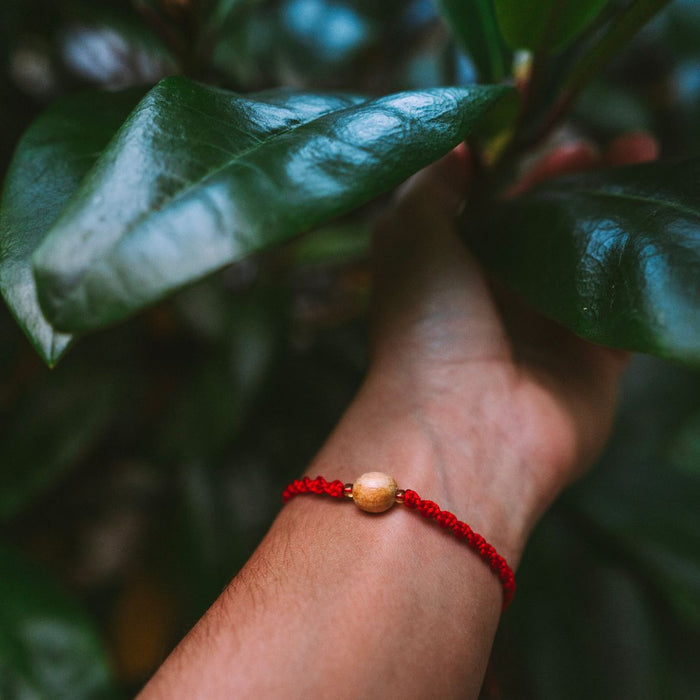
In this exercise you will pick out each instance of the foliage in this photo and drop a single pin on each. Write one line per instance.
(167, 185)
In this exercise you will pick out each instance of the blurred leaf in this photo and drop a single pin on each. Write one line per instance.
(243, 51)
(609, 587)
(547, 25)
(218, 13)
(473, 23)
(655, 526)
(142, 627)
(583, 630)
(322, 35)
(51, 159)
(684, 448)
(221, 513)
(217, 400)
(50, 429)
(12, 13)
(624, 111)
(114, 55)
(624, 25)
(585, 624)
(334, 244)
(636, 504)
(48, 647)
(198, 178)
(681, 21)
(621, 250)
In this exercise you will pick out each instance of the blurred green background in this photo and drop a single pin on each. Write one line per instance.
(137, 476)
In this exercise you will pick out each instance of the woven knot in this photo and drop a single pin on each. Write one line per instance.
(336, 489)
(317, 485)
(446, 519)
(429, 509)
(411, 499)
(461, 530)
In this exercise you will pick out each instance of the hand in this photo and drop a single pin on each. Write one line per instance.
(514, 405)
(471, 400)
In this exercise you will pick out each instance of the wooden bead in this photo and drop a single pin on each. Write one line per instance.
(374, 492)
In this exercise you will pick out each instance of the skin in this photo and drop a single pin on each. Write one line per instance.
(471, 400)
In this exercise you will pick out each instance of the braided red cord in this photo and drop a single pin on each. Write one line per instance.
(428, 509)
(315, 486)
(472, 539)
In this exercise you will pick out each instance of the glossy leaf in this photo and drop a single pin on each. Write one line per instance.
(473, 23)
(48, 647)
(51, 159)
(614, 255)
(198, 178)
(544, 24)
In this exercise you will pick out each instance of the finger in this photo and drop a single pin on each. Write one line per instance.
(433, 194)
(570, 158)
(444, 184)
(636, 147)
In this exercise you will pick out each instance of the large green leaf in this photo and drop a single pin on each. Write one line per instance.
(51, 159)
(199, 177)
(614, 255)
(544, 24)
(474, 25)
(48, 647)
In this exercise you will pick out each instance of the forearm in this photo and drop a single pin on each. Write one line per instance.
(339, 603)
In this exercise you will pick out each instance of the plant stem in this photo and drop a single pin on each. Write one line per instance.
(621, 28)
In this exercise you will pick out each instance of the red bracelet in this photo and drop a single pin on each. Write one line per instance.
(376, 492)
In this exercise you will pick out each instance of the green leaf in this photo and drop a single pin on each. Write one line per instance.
(612, 110)
(48, 647)
(613, 255)
(113, 53)
(199, 177)
(583, 619)
(336, 244)
(51, 159)
(217, 400)
(684, 450)
(620, 30)
(51, 428)
(12, 17)
(547, 25)
(308, 36)
(473, 23)
(644, 510)
(624, 544)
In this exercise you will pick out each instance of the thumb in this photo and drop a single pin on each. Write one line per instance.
(430, 296)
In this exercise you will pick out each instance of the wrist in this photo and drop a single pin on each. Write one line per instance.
(464, 463)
